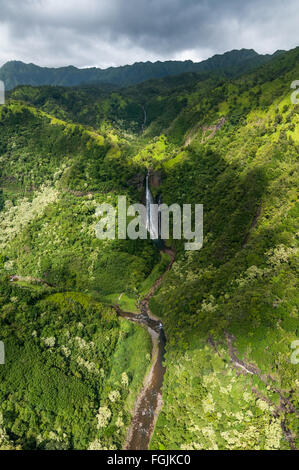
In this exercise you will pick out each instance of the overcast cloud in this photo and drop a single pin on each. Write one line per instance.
(117, 32)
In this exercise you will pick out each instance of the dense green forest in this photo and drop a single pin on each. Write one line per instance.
(230, 310)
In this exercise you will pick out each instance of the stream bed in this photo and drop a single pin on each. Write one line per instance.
(149, 401)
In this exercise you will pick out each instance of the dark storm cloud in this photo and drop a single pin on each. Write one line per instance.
(114, 32)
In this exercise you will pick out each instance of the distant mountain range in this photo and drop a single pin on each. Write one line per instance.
(231, 63)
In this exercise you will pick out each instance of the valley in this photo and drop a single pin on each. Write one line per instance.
(88, 365)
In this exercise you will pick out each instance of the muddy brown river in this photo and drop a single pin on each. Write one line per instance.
(149, 401)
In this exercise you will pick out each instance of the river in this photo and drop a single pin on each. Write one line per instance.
(149, 401)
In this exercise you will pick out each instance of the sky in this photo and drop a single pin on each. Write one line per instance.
(105, 33)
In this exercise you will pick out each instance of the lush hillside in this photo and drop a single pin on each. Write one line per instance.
(67, 382)
(230, 310)
(71, 366)
(17, 73)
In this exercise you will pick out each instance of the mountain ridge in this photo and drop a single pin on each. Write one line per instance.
(15, 73)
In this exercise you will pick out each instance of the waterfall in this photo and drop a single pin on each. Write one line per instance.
(159, 215)
(151, 213)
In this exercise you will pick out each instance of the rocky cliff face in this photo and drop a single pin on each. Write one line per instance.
(155, 178)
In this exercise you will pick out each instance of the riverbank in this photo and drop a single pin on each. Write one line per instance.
(149, 401)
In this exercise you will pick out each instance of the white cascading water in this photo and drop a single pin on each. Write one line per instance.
(151, 214)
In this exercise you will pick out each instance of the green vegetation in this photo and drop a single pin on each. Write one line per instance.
(69, 359)
(234, 304)
(230, 311)
(15, 73)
